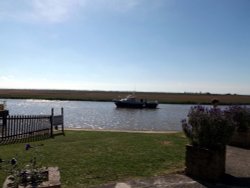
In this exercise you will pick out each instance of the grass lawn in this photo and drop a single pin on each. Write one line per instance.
(87, 159)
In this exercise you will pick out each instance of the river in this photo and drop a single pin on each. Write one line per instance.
(104, 115)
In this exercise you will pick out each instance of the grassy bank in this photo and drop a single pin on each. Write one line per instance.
(171, 98)
(91, 158)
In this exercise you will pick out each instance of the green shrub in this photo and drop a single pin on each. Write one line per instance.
(28, 174)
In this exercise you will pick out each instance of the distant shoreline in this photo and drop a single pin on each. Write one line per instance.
(108, 96)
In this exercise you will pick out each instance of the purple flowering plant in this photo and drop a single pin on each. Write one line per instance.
(30, 173)
(241, 117)
(208, 127)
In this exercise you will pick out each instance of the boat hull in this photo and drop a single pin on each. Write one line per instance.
(151, 105)
(122, 104)
(131, 102)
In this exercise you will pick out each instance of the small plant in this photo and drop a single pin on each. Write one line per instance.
(28, 174)
(208, 127)
(241, 117)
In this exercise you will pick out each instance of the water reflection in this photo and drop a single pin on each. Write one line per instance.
(104, 115)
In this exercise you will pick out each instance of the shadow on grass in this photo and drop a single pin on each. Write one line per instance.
(31, 137)
(26, 138)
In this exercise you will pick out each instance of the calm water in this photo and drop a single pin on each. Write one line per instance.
(104, 115)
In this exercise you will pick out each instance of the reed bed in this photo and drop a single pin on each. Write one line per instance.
(171, 98)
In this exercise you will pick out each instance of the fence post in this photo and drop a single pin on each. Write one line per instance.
(4, 114)
(62, 114)
(51, 121)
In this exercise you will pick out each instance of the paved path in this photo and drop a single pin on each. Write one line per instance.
(238, 162)
(237, 175)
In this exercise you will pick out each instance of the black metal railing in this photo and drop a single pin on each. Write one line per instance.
(17, 127)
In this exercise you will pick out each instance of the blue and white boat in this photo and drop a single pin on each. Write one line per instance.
(131, 102)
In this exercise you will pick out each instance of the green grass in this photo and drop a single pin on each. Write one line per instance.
(91, 158)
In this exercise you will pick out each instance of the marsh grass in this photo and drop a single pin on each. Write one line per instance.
(88, 158)
(170, 98)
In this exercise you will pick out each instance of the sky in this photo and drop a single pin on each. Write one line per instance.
(126, 45)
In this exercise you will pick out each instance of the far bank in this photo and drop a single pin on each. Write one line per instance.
(80, 95)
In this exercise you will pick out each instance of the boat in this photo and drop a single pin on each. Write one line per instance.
(131, 102)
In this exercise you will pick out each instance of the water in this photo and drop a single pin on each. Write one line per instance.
(104, 115)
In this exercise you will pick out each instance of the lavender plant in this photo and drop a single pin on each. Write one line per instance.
(28, 174)
(208, 127)
(241, 117)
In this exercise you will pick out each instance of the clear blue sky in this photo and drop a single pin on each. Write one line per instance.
(142, 45)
